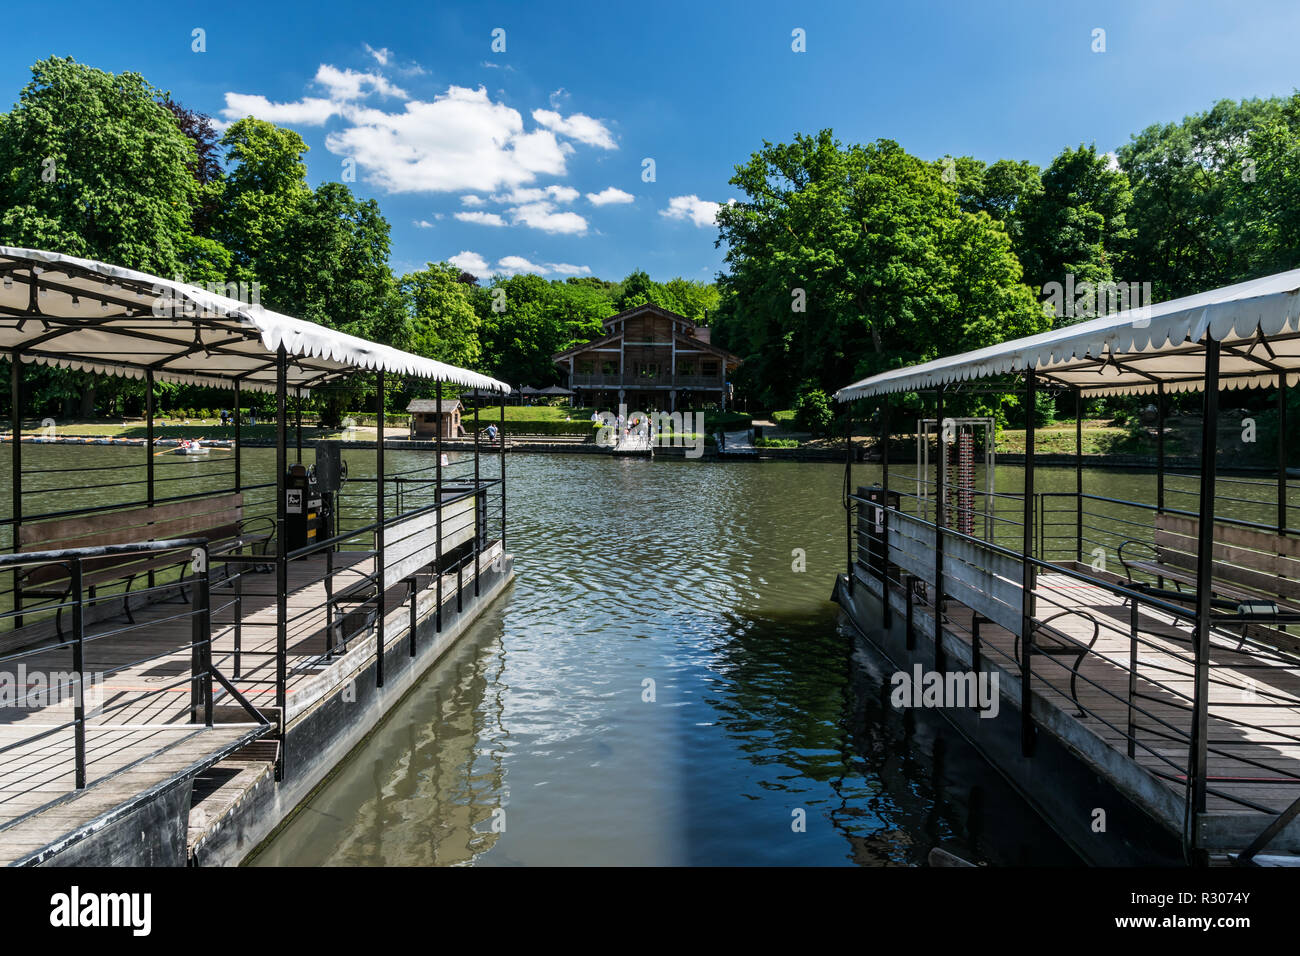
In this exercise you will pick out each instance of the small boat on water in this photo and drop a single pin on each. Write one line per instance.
(192, 448)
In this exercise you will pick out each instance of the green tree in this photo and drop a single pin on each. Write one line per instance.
(848, 260)
(92, 164)
(1194, 215)
(444, 325)
(1078, 223)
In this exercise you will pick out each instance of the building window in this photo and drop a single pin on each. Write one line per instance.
(686, 368)
(609, 367)
(710, 368)
(586, 367)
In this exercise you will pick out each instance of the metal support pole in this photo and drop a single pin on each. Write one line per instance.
(888, 612)
(1132, 676)
(478, 528)
(297, 401)
(239, 481)
(379, 528)
(1281, 453)
(437, 498)
(1204, 582)
(16, 465)
(281, 561)
(503, 474)
(1027, 575)
(414, 592)
(848, 493)
(79, 666)
(148, 449)
(1160, 447)
(1078, 475)
(940, 519)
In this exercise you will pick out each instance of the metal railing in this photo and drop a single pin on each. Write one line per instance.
(58, 686)
(1147, 677)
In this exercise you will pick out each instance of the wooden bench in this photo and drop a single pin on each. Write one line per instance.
(1251, 567)
(219, 519)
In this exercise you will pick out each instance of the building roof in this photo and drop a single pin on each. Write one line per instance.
(1138, 350)
(76, 313)
(442, 406)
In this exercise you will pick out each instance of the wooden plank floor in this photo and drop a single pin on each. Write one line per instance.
(138, 695)
(1254, 710)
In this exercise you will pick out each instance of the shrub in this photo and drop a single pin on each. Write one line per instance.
(812, 410)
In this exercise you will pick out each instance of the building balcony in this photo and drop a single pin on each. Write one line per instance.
(632, 382)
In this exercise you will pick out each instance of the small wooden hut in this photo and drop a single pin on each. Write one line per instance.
(431, 415)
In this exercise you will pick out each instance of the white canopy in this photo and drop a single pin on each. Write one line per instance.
(1136, 351)
(76, 313)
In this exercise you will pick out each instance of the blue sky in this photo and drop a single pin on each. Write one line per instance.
(548, 138)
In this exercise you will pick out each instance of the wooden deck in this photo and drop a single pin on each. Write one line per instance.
(1254, 710)
(138, 697)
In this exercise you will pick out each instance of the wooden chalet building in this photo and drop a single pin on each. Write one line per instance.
(649, 359)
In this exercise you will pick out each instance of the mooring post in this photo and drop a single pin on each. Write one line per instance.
(1027, 575)
(380, 596)
(1204, 582)
(940, 519)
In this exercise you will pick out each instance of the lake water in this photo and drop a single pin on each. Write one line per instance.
(666, 682)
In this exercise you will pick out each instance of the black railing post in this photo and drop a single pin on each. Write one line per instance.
(1160, 447)
(16, 466)
(203, 628)
(848, 494)
(78, 666)
(437, 498)
(940, 519)
(148, 447)
(1132, 676)
(239, 482)
(1204, 582)
(888, 611)
(503, 474)
(281, 519)
(1281, 453)
(1078, 476)
(1027, 575)
(380, 597)
(478, 532)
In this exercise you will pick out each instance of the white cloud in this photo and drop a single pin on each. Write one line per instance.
(472, 200)
(558, 97)
(422, 224)
(578, 126)
(556, 193)
(564, 269)
(309, 111)
(382, 56)
(460, 141)
(542, 215)
(514, 265)
(470, 262)
(482, 218)
(477, 266)
(697, 210)
(610, 196)
(350, 85)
